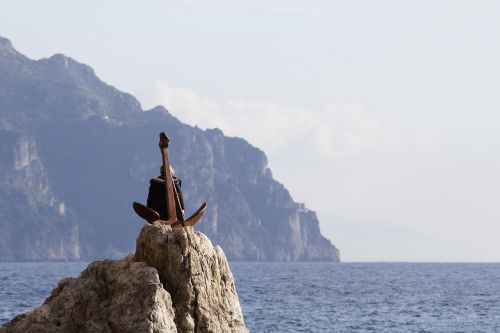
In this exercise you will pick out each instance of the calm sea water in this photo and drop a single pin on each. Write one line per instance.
(321, 297)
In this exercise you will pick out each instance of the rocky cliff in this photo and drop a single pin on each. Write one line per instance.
(34, 222)
(177, 281)
(76, 152)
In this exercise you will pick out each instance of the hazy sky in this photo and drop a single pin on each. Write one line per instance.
(382, 116)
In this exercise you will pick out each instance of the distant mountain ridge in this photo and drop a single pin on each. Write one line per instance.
(75, 152)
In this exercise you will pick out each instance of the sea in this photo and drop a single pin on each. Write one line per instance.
(320, 296)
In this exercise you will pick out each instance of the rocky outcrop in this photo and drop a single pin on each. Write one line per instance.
(197, 276)
(176, 282)
(109, 296)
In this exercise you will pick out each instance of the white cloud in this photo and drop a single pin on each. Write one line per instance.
(347, 130)
(334, 131)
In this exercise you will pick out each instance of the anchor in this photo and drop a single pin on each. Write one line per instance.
(175, 215)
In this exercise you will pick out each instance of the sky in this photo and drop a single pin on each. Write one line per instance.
(381, 116)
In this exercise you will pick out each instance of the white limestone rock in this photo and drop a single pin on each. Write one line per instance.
(176, 282)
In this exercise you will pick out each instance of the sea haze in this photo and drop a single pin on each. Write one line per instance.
(321, 297)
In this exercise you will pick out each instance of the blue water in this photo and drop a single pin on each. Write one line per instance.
(321, 297)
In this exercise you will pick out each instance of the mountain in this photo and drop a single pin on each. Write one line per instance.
(76, 152)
